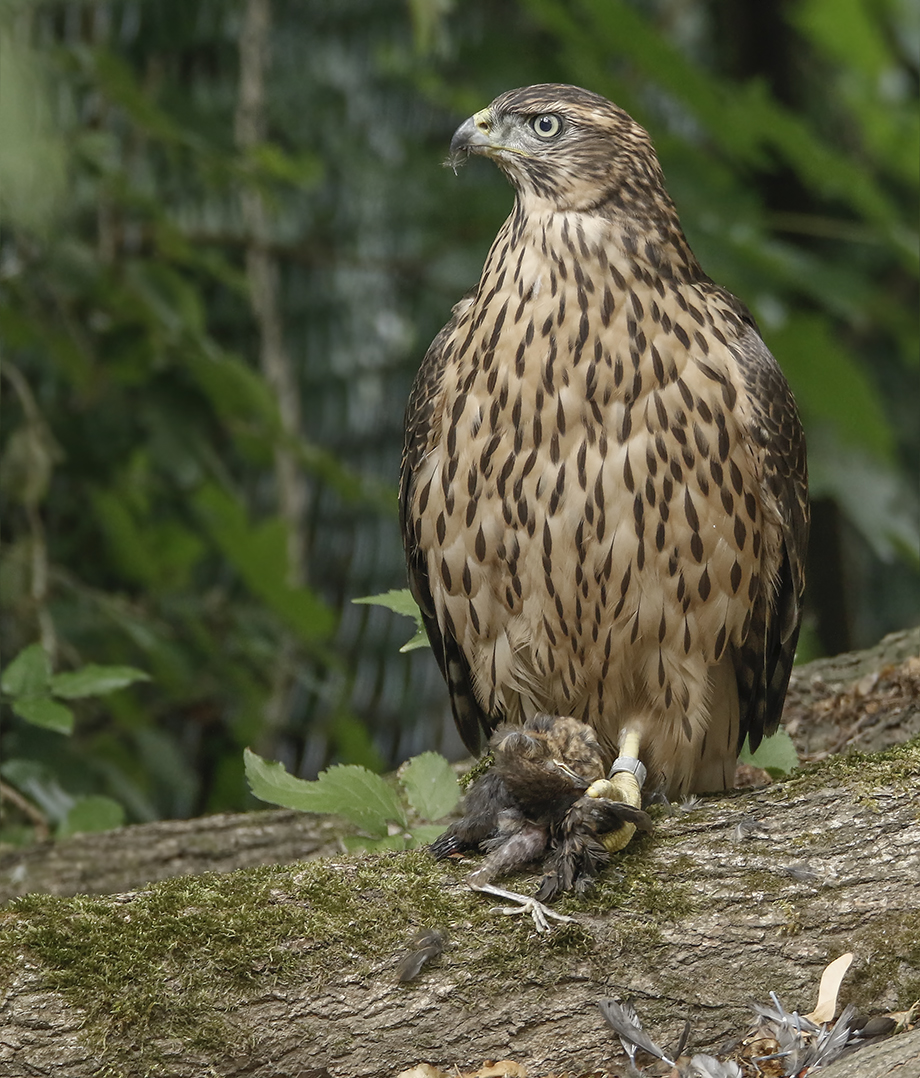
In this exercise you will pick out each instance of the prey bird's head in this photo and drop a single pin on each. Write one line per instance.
(567, 147)
(550, 757)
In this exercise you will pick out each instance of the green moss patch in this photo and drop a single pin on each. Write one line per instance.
(171, 963)
(891, 946)
(895, 766)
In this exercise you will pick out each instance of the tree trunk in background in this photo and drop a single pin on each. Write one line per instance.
(263, 275)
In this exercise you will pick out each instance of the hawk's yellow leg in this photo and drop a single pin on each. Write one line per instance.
(621, 786)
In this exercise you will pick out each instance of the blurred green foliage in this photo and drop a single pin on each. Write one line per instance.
(142, 441)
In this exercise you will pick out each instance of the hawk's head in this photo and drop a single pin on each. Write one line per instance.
(568, 147)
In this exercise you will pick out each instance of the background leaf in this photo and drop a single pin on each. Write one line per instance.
(28, 674)
(776, 755)
(45, 712)
(95, 680)
(92, 814)
(431, 785)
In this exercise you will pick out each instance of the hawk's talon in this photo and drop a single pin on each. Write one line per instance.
(622, 786)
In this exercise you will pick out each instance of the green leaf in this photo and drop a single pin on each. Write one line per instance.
(361, 843)
(166, 297)
(28, 674)
(93, 680)
(362, 797)
(93, 813)
(776, 755)
(259, 553)
(400, 601)
(420, 640)
(238, 394)
(271, 782)
(348, 790)
(159, 554)
(33, 165)
(120, 85)
(830, 385)
(425, 833)
(430, 785)
(43, 711)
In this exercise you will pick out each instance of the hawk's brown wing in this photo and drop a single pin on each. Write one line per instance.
(764, 661)
(421, 421)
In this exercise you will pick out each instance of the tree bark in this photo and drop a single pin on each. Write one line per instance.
(727, 901)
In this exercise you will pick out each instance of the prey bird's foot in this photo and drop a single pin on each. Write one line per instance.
(541, 914)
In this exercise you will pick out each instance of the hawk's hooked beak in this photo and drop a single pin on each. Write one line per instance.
(472, 136)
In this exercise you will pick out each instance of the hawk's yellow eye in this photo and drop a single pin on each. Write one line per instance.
(546, 126)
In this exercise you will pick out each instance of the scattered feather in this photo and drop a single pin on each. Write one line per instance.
(627, 1029)
(425, 946)
(747, 828)
(830, 1042)
(703, 1066)
(802, 873)
(780, 1044)
(629, 1013)
(683, 1040)
(880, 1025)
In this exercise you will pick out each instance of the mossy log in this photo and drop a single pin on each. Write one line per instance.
(291, 969)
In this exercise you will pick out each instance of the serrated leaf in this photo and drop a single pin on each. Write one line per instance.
(93, 813)
(94, 680)
(399, 600)
(362, 797)
(430, 785)
(420, 640)
(28, 674)
(776, 755)
(271, 782)
(43, 711)
(348, 790)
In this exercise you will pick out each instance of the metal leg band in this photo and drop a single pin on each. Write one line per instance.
(631, 764)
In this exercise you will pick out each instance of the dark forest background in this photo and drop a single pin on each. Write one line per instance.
(226, 240)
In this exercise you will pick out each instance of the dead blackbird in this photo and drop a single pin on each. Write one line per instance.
(532, 804)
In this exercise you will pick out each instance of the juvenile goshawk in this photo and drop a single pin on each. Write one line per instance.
(603, 493)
